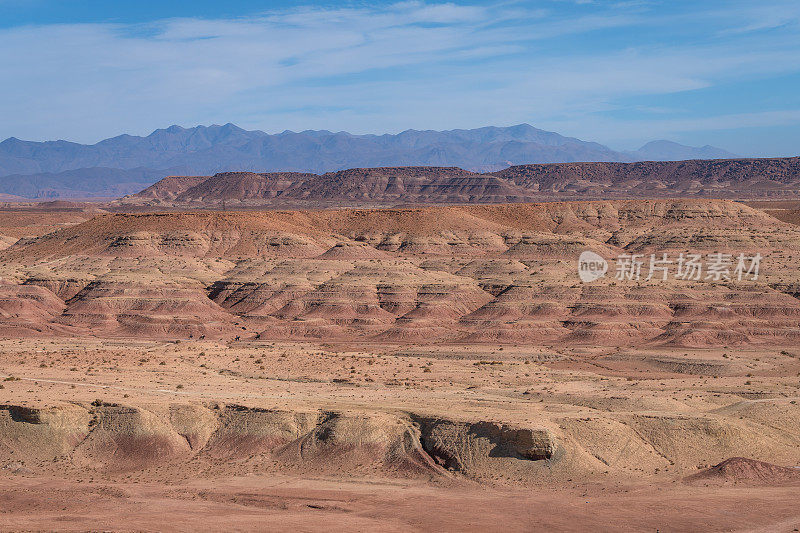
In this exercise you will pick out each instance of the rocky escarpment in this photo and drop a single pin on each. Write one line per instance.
(117, 438)
(178, 439)
(776, 178)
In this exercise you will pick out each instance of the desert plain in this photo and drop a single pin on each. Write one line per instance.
(431, 367)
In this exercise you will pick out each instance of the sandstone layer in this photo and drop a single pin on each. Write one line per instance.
(499, 274)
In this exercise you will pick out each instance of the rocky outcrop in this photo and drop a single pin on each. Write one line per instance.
(195, 437)
(464, 447)
(119, 438)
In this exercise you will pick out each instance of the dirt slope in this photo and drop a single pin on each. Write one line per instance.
(748, 471)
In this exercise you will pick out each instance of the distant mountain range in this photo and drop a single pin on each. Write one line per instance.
(127, 163)
(670, 151)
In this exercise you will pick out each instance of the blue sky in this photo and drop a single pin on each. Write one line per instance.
(622, 72)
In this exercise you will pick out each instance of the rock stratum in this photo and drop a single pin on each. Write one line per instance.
(477, 274)
(725, 178)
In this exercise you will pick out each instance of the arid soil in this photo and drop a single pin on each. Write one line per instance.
(787, 211)
(279, 503)
(361, 436)
(403, 369)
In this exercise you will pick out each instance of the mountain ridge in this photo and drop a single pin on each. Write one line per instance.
(203, 150)
(776, 178)
(663, 150)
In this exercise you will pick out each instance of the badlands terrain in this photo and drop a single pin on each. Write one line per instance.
(395, 368)
(753, 179)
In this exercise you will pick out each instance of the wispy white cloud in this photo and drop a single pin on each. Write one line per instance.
(410, 64)
(754, 16)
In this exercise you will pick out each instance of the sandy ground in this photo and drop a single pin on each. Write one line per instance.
(516, 382)
(530, 386)
(291, 504)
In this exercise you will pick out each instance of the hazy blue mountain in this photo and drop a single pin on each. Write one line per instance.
(79, 183)
(672, 151)
(113, 166)
(206, 149)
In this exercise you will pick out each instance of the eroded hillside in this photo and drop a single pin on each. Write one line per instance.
(504, 273)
